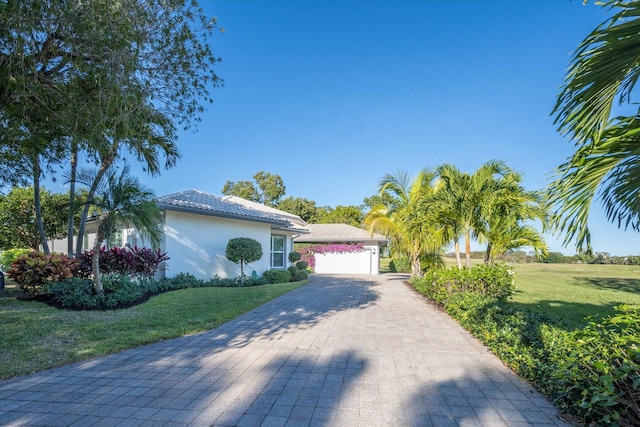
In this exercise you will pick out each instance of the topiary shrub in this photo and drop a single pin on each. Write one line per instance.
(302, 265)
(243, 250)
(33, 270)
(294, 257)
(276, 276)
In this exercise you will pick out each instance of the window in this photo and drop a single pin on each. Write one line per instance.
(277, 251)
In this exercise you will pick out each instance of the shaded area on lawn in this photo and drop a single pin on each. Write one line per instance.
(610, 283)
(568, 315)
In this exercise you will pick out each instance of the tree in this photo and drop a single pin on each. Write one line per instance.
(245, 189)
(508, 206)
(351, 215)
(376, 200)
(407, 224)
(462, 201)
(243, 250)
(18, 227)
(121, 202)
(268, 189)
(100, 77)
(271, 186)
(603, 71)
(305, 209)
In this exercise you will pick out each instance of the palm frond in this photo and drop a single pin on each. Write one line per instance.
(604, 68)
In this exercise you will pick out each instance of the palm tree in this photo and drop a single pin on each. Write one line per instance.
(405, 221)
(122, 201)
(507, 207)
(606, 165)
(462, 201)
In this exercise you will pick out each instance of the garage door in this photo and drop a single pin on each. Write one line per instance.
(345, 263)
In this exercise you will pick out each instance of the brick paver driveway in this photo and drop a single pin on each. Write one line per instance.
(341, 351)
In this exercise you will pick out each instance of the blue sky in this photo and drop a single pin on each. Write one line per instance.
(331, 95)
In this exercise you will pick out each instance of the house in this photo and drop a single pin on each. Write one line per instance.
(197, 227)
(343, 249)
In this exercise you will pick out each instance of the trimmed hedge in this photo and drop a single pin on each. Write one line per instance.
(277, 276)
(591, 373)
(496, 281)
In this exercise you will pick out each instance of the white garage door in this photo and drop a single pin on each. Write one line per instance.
(347, 263)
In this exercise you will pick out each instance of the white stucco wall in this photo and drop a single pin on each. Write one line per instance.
(365, 262)
(197, 244)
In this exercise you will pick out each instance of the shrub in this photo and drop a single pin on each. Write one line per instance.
(73, 293)
(276, 276)
(490, 281)
(141, 262)
(302, 265)
(10, 255)
(400, 265)
(600, 376)
(147, 261)
(33, 270)
(591, 373)
(294, 257)
(119, 291)
(297, 274)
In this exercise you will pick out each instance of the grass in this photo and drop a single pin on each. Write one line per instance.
(36, 337)
(569, 293)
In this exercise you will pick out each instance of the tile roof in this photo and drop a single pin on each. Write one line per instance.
(199, 202)
(338, 233)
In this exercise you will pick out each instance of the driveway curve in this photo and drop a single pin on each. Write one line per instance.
(340, 351)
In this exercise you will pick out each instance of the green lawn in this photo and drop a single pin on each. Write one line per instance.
(571, 292)
(37, 337)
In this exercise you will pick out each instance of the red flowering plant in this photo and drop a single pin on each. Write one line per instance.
(308, 252)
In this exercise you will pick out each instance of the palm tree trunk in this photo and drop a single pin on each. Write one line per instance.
(104, 166)
(72, 195)
(457, 251)
(38, 204)
(416, 268)
(467, 248)
(487, 254)
(95, 264)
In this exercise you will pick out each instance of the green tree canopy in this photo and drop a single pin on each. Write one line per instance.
(268, 189)
(271, 187)
(304, 208)
(351, 215)
(18, 228)
(245, 189)
(101, 78)
(405, 222)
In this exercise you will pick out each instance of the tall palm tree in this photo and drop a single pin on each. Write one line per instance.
(122, 201)
(507, 208)
(404, 221)
(606, 165)
(462, 201)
